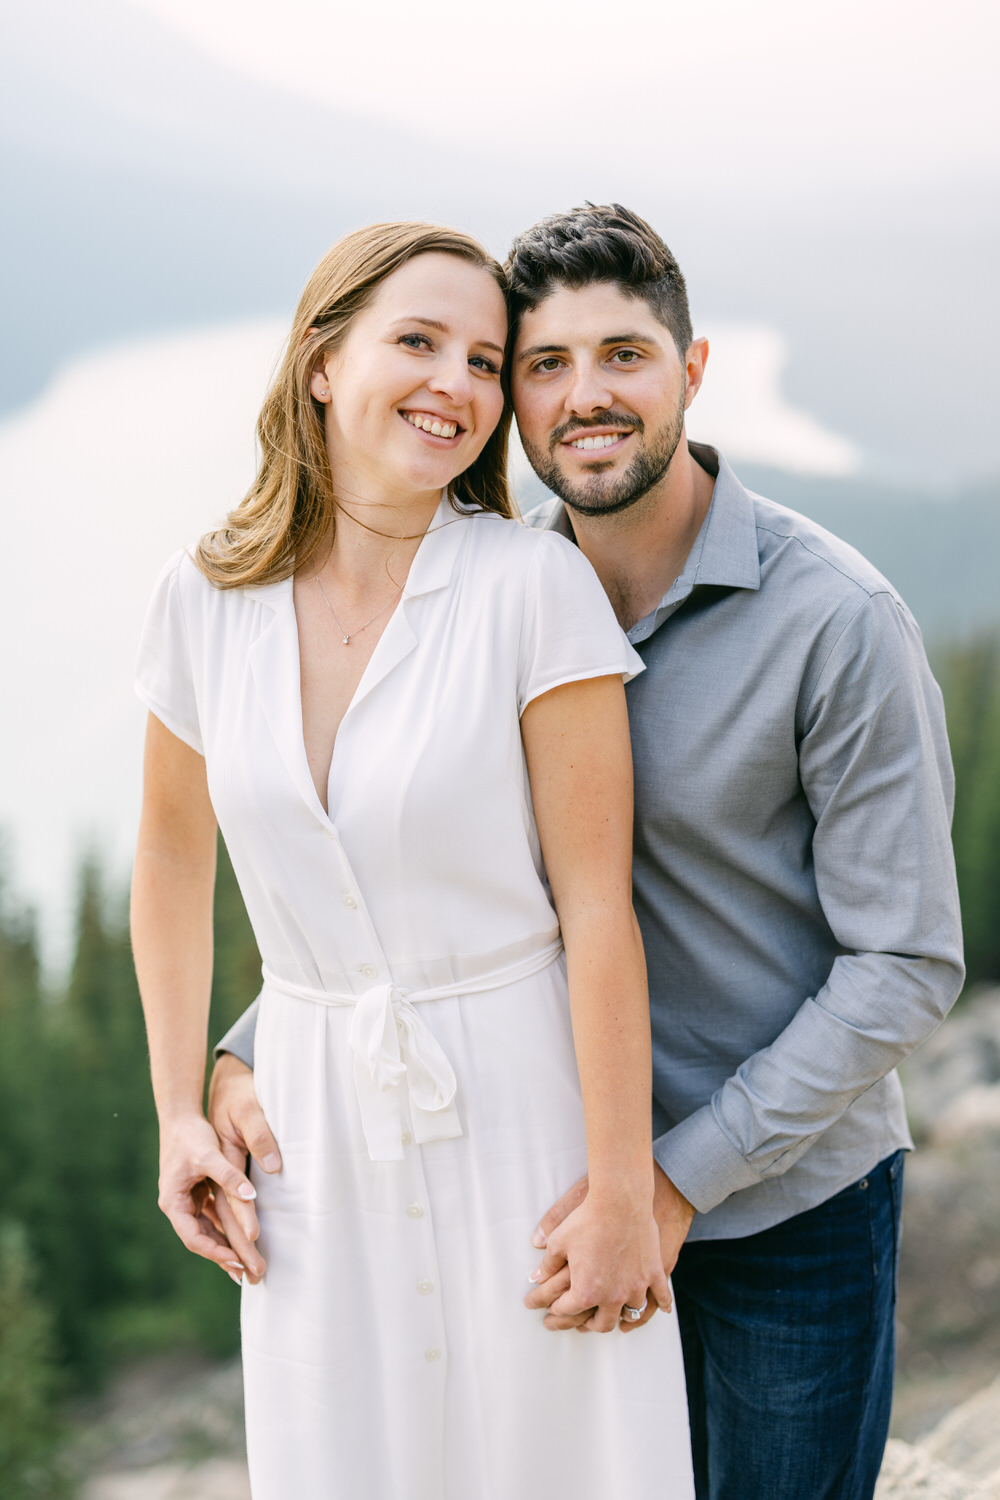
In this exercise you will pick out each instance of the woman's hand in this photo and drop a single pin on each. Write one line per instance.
(673, 1214)
(191, 1165)
(608, 1249)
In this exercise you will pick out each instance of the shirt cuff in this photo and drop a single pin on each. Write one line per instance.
(702, 1162)
(239, 1039)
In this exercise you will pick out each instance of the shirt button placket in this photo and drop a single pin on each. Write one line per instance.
(424, 1280)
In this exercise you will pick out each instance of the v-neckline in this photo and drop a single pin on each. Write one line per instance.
(277, 668)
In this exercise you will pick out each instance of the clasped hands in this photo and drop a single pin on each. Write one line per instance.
(599, 1256)
(563, 1284)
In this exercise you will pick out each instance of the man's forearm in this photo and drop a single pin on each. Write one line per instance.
(239, 1039)
(766, 1116)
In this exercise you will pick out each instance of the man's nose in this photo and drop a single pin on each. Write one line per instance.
(588, 392)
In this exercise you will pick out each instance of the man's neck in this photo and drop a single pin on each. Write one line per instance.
(639, 552)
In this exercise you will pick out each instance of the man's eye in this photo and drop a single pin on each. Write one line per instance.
(626, 356)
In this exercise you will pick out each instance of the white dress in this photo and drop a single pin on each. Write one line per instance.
(413, 1052)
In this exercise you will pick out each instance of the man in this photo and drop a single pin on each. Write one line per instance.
(792, 871)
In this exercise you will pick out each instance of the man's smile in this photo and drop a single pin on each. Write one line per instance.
(601, 441)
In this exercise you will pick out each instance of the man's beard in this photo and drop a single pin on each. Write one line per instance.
(593, 497)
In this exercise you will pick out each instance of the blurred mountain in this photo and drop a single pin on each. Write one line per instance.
(148, 188)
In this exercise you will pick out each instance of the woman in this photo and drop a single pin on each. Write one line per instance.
(397, 701)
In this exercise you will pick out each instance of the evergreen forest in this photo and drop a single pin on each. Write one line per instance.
(90, 1272)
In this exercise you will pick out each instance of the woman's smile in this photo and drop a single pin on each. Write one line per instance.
(445, 429)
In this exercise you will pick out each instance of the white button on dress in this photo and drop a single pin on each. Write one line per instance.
(432, 1010)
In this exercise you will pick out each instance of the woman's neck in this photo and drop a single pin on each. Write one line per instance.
(375, 540)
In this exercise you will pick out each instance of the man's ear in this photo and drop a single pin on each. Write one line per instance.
(696, 360)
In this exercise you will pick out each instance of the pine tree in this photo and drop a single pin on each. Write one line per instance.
(29, 1431)
(970, 677)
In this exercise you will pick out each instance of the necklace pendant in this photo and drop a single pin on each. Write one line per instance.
(346, 639)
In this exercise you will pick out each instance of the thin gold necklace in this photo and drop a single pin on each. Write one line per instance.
(347, 637)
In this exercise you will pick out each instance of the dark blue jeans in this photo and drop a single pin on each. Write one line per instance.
(789, 1348)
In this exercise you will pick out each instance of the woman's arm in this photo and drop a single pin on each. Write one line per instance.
(579, 756)
(172, 890)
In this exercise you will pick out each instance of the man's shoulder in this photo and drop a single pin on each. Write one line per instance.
(789, 542)
(540, 516)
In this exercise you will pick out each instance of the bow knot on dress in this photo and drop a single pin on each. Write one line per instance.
(392, 1044)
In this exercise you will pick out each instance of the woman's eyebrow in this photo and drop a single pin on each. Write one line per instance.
(442, 328)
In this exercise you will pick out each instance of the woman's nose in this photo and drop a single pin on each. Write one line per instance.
(453, 378)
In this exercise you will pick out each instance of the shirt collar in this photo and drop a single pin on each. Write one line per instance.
(431, 568)
(724, 554)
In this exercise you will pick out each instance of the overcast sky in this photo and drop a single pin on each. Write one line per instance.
(827, 92)
(776, 104)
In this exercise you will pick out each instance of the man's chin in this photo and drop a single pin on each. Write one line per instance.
(598, 499)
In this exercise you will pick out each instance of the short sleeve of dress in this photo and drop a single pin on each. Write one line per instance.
(164, 677)
(569, 631)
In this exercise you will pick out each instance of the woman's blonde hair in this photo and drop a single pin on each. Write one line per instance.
(288, 514)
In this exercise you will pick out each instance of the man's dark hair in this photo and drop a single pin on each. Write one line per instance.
(599, 242)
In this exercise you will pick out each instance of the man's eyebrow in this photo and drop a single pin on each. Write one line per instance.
(613, 338)
(441, 328)
(537, 349)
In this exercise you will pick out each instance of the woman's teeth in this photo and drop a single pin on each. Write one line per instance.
(431, 424)
(598, 442)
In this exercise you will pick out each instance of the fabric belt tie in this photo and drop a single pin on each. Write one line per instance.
(392, 1044)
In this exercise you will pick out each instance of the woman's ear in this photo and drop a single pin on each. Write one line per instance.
(319, 383)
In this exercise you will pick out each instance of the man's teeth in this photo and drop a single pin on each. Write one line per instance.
(431, 424)
(598, 442)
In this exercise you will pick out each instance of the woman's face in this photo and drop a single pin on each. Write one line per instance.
(414, 392)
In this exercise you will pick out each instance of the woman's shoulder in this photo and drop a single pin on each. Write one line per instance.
(511, 542)
(181, 576)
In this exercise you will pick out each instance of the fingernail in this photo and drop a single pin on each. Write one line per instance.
(535, 1276)
(271, 1162)
(233, 1277)
(538, 1240)
(246, 1191)
(234, 1265)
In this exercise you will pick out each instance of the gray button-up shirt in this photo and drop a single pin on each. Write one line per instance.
(793, 872)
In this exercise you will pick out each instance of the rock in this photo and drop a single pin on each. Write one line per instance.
(962, 1056)
(969, 1437)
(974, 1112)
(959, 1460)
(161, 1413)
(911, 1474)
(218, 1479)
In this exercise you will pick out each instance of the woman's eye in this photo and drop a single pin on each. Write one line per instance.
(547, 365)
(482, 363)
(415, 340)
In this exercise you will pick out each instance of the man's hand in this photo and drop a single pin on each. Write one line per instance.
(673, 1214)
(235, 1113)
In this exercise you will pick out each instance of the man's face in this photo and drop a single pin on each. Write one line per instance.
(600, 393)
